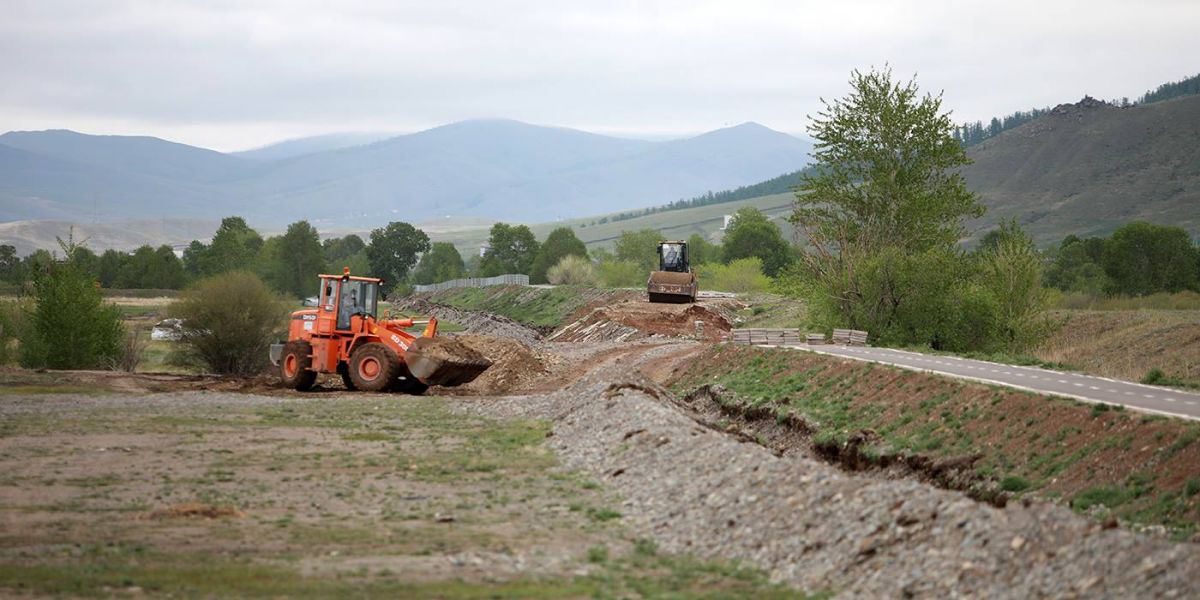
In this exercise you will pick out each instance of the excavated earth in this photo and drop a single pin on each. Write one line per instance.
(721, 494)
(699, 489)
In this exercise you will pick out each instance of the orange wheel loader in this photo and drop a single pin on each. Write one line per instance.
(344, 335)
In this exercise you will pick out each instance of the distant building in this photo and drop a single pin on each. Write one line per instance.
(483, 250)
(728, 219)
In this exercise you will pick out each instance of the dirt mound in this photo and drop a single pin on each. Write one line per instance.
(196, 509)
(633, 319)
(476, 322)
(514, 366)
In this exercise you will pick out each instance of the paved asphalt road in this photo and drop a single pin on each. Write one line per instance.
(1145, 398)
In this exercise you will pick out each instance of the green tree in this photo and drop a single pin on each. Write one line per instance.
(71, 326)
(195, 258)
(1012, 272)
(640, 248)
(340, 249)
(1076, 266)
(701, 251)
(441, 263)
(1143, 258)
(10, 264)
(560, 243)
(752, 234)
(511, 249)
(234, 247)
(294, 261)
(882, 209)
(393, 250)
(110, 267)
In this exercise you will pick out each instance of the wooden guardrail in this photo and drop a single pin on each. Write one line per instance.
(793, 337)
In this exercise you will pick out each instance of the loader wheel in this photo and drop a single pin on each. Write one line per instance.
(295, 366)
(409, 384)
(373, 367)
(344, 371)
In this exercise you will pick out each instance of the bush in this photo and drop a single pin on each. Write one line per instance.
(1014, 484)
(623, 273)
(71, 327)
(229, 321)
(129, 353)
(739, 276)
(572, 270)
(1153, 376)
(12, 318)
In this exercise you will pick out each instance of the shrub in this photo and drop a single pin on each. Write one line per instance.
(1014, 484)
(1153, 376)
(71, 327)
(739, 276)
(229, 320)
(12, 318)
(622, 273)
(572, 270)
(129, 352)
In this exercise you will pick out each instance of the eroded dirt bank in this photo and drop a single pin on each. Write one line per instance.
(812, 525)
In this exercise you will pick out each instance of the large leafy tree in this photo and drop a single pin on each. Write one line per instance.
(296, 260)
(702, 251)
(885, 174)
(234, 247)
(753, 235)
(882, 210)
(441, 263)
(339, 249)
(394, 249)
(1143, 258)
(560, 243)
(511, 249)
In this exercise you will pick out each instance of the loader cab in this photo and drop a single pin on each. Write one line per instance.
(343, 297)
(673, 257)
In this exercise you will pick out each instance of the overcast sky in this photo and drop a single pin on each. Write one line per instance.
(236, 74)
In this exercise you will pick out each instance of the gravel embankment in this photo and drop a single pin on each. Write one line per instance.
(809, 524)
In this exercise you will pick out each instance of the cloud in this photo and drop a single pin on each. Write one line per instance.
(237, 74)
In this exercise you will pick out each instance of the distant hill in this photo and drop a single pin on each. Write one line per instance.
(28, 236)
(493, 169)
(1088, 167)
(312, 144)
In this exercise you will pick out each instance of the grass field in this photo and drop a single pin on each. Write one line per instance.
(224, 495)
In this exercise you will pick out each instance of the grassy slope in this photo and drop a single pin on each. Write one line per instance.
(705, 220)
(1125, 344)
(1144, 469)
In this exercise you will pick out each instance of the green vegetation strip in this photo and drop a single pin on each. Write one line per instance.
(1095, 457)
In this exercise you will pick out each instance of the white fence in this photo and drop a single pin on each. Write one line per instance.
(474, 282)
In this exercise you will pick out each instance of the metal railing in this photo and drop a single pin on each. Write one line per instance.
(474, 282)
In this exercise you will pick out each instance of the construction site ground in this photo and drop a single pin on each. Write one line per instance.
(621, 453)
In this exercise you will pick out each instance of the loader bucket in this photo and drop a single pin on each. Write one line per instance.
(444, 361)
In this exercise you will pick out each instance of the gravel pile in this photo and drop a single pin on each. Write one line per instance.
(481, 323)
(699, 491)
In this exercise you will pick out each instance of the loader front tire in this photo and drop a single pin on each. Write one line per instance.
(373, 367)
(295, 366)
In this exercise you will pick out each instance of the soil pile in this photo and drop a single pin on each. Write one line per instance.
(514, 366)
(635, 319)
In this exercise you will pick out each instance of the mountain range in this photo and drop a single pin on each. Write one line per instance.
(497, 169)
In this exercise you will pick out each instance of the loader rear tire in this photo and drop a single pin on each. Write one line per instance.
(295, 366)
(373, 367)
